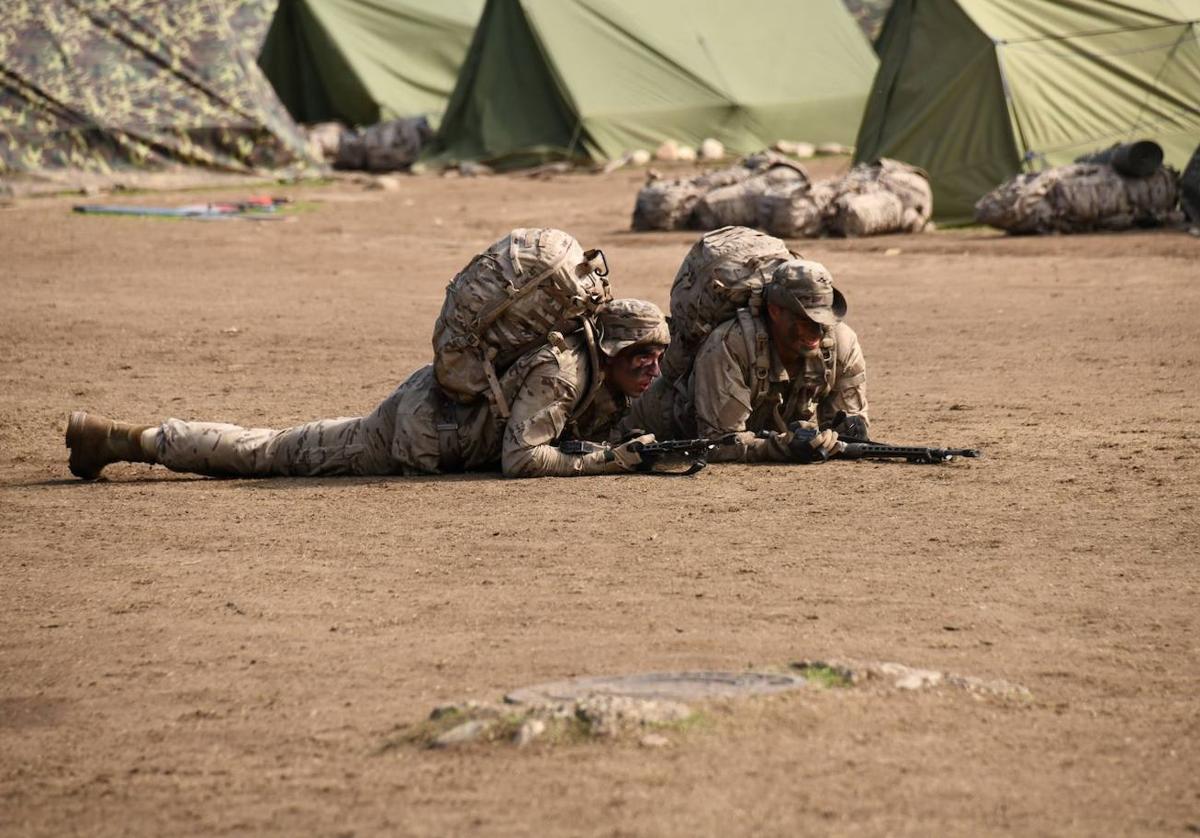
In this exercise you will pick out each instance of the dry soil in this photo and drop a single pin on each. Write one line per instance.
(182, 655)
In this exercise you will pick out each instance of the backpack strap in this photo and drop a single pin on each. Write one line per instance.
(493, 380)
(759, 350)
(450, 457)
(829, 358)
(596, 378)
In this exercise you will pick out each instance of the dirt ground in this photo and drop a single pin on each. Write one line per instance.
(182, 655)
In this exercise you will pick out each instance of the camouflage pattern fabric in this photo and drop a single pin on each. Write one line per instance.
(670, 204)
(665, 204)
(868, 213)
(401, 435)
(1080, 197)
(738, 204)
(384, 147)
(250, 21)
(796, 211)
(1189, 188)
(716, 399)
(104, 85)
(722, 272)
(905, 206)
(508, 300)
(775, 194)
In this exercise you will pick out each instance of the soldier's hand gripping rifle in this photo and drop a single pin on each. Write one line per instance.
(657, 457)
(854, 448)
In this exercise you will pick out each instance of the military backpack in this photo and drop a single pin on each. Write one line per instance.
(507, 301)
(723, 272)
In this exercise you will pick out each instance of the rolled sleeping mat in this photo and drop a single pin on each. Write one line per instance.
(1140, 159)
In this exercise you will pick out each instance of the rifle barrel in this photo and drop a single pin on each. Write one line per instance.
(920, 454)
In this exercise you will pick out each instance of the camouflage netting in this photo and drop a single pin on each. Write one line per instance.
(1079, 198)
(107, 85)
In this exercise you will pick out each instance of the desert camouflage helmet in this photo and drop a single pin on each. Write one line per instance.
(805, 287)
(625, 323)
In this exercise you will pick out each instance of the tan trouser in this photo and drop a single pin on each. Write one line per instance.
(347, 446)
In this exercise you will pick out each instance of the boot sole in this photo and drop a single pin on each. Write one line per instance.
(75, 426)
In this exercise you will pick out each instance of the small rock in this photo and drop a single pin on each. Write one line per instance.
(639, 157)
(471, 169)
(232, 330)
(687, 154)
(785, 146)
(892, 251)
(712, 149)
(384, 183)
(462, 734)
(805, 150)
(667, 152)
(654, 740)
(834, 148)
(530, 730)
(1194, 231)
(91, 189)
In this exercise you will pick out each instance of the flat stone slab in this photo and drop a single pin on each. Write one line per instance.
(674, 686)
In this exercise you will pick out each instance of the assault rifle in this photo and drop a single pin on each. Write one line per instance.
(856, 448)
(671, 452)
(694, 452)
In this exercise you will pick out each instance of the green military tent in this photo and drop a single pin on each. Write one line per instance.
(975, 91)
(365, 61)
(118, 84)
(596, 78)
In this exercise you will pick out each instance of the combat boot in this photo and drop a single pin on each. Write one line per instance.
(95, 441)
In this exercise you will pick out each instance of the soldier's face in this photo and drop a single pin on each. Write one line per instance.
(634, 369)
(791, 332)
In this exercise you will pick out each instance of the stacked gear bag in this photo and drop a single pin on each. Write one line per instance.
(775, 194)
(530, 287)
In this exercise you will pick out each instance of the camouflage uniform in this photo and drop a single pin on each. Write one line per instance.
(720, 396)
(555, 392)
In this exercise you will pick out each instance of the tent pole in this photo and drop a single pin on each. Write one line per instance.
(1028, 155)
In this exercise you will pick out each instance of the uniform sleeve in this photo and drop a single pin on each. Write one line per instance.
(721, 387)
(721, 380)
(849, 391)
(539, 414)
(748, 447)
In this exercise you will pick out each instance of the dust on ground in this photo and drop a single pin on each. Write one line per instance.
(186, 655)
